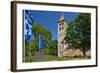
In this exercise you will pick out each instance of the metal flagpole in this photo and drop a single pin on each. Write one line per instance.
(24, 37)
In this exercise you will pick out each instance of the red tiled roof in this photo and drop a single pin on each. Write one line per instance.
(61, 18)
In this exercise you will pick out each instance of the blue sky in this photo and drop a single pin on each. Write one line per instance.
(49, 19)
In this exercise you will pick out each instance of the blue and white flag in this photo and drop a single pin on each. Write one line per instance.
(41, 44)
(28, 24)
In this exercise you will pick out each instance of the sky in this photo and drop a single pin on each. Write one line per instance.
(49, 19)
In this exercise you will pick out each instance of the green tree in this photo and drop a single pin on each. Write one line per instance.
(51, 49)
(50, 46)
(45, 33)
(78, 33)
(26, 48)
(32, 46)
(47, 36)
(37, 29)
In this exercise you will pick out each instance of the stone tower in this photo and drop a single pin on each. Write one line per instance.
(62, 26)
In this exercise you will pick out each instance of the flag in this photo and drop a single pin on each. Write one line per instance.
(28, 24)
(41, 44)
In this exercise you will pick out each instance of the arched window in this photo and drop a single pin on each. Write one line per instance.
(60, 28)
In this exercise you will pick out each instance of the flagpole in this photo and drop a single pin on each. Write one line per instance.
(24, 37)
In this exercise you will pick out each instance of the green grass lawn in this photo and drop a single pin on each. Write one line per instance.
(51, 58)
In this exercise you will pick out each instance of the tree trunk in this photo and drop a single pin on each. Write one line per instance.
(34, 36)
(84, 52)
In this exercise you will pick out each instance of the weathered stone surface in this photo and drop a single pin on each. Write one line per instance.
(74, 53)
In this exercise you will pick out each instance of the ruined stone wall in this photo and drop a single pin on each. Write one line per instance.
(74, 53)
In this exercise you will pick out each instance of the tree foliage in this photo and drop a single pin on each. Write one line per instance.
(51, 49)
(50, 46)
(78, 33)
(37, 29)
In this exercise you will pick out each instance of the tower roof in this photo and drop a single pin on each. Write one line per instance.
(61, 18)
